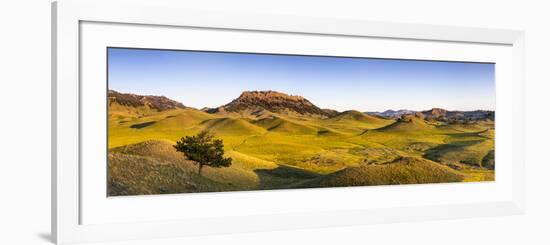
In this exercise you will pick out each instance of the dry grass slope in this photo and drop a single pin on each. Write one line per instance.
(150, 160)
(406, 170)
(137, 175)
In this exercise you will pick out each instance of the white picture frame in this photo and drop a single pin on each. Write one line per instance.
(68, 195)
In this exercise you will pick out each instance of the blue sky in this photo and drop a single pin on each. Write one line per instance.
(210, 79)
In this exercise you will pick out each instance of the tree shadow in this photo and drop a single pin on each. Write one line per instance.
(283, 177)
(142, 125)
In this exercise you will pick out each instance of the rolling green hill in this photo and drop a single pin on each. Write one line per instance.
(275, 147)
(356, 116)
(408, 124)
(280, 125)
(232, 126)
(354, 122)
(405, 170)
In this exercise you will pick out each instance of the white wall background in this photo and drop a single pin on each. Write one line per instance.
(25, 122)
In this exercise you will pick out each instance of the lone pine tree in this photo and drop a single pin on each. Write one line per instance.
(204, 150)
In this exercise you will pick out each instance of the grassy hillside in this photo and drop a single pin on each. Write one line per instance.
(358, 117)
(290, 150)
(408, 125)
(231, 126)
(281, 125)
(137, 175)
(155, 167)
(404, 170)
(354, 122)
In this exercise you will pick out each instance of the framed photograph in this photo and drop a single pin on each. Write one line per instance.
(173, 122)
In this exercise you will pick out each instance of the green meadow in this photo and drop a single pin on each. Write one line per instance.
(285, 151)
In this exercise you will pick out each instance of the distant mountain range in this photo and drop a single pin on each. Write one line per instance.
(257, 102)
(439, 114)
(392, 113)
(158, 103)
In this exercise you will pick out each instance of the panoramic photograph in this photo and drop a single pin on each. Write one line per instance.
(203, 121)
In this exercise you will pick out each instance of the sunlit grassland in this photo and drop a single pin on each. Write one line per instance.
(282, 151)
(478, 175)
